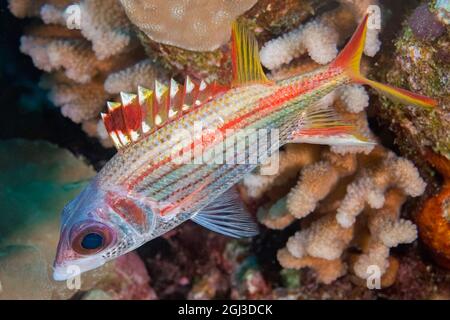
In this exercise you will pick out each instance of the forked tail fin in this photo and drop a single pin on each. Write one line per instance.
(350, 60)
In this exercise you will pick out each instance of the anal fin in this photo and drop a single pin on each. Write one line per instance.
(227, 216)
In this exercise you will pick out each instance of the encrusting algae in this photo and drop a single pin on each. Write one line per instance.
(434, 217)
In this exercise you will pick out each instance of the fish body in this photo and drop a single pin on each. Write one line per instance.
(180, 152)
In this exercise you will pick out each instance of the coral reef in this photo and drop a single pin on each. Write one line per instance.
(346, 198)
(79, 46)
(320, 37)
(422, 63)
(92, 46)
(330, 213)
(425, 25)
(341, 194)
(36, 183)
(341, 197)
(422, 66)
(434, 216)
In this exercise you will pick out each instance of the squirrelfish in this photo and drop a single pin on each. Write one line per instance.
(145, 190)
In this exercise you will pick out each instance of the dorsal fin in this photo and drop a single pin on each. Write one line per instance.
(247, 68)
(138, 115)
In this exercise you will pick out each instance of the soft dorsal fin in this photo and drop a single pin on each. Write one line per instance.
(138, 115)
(247, 68)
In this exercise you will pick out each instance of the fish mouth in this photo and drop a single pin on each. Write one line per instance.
(75, 268)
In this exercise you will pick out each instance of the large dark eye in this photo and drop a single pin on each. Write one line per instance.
(92, 241)
(91, 237)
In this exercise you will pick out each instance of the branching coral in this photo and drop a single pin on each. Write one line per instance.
(32, 8)
(320, 37)
(370, 186)
(80, 61)
(198, 25)
(142, 73)
(104, 23)
(71, 55)
(387, 231)
(339, 197)
(79, 102)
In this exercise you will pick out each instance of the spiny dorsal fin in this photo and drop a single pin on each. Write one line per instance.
(247, 67)
(138, 115)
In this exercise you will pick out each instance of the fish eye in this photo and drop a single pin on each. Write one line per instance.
(92, 241)
(90, 238)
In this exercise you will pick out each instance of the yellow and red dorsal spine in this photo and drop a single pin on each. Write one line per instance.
(140, 114)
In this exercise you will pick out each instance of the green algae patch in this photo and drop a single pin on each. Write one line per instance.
(37, 179)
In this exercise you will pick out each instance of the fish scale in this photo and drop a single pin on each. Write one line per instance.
(160, 185)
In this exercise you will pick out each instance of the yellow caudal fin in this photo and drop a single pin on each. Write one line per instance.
(350, 60)
(247, 67)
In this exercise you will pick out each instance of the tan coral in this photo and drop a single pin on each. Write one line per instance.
(103, 22)
(79, 102)
(321, 37)
(291, 160)
(324, 239)
(78, 62)
(328, 186)
(198, 25)
(32, 8)
(144, 73)
(370, 186)
(335, 194)
(327, 271)
(72, 55)
(316, 182)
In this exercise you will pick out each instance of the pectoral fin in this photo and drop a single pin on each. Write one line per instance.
(227, 215)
